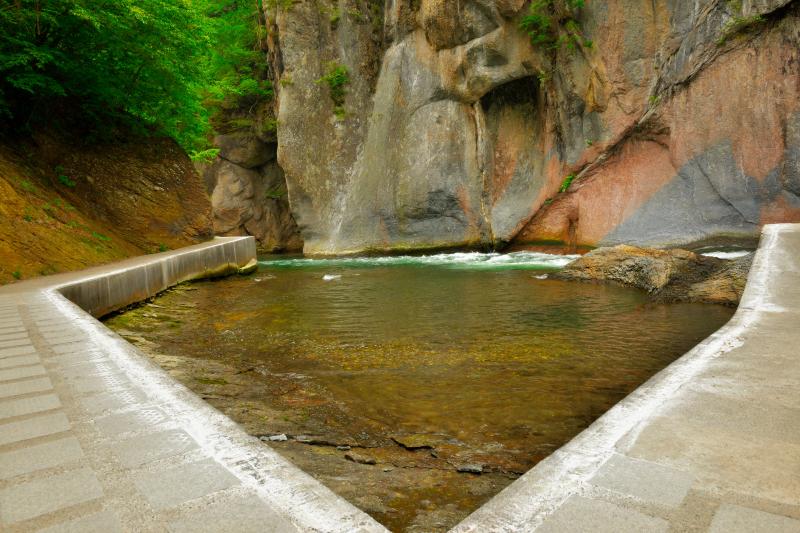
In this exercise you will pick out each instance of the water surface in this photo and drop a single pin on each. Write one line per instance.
(424, 365)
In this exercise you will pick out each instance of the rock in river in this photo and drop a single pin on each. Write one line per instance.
(667, 275)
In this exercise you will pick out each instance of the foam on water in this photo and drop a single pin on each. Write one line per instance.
(458, 260)
(728, 255)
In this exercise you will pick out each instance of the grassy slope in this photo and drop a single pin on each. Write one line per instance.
(48, 227)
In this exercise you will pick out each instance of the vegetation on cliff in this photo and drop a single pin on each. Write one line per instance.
(146, 66)
(554, 23)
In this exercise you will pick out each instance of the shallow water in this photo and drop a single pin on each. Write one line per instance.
(471, 360)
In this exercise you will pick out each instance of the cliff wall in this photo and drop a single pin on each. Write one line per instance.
(680, 122)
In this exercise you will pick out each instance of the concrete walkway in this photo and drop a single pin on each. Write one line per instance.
(94, 437)
(711, 443)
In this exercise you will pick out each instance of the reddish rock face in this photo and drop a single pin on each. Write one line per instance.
(713, 158)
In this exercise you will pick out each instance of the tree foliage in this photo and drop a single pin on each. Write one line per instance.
(156, 66)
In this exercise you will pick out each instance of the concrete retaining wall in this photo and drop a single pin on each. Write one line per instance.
(112, 290)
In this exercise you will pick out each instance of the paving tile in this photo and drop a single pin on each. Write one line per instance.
(139, 420)
(20, 340)
(27, 406)
(43, 496)
(17, 350)
(169, 488)
(52, 323)
(110, 401)
(16, 388)
(729, 518)
(91, 356)
(582, 515)
(15, 335)
(34, 427)
(137, 451)
(19, 360)
(644, 480)
(247, 514)
(99, 383)
(67, 345)
(71, 347)
(22, 372)
(39, 457)
(51, 332)
(100, 367)
(102, 522)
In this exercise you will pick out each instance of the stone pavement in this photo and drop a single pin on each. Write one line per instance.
(711, 443)
(94, 437)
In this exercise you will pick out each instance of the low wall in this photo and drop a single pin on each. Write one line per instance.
(109, 291)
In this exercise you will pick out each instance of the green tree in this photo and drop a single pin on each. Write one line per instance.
(154, 66)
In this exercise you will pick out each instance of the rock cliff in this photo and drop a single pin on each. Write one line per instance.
(680, 123)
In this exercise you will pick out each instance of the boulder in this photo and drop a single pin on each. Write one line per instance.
(253, 202)
(667, 275)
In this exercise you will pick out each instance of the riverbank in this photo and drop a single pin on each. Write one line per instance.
(69, 205)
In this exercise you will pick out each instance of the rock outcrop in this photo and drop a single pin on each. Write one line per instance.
(248, 192)
(667, 275)
(681, 123)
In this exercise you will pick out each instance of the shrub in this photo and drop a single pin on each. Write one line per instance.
(204, 156)
(336, 79)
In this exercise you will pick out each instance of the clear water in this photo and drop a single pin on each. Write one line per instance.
(475, 352)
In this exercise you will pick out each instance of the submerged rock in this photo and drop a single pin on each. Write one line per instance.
(667, 275)
(418, 441)
(361, 459)
(470, 469)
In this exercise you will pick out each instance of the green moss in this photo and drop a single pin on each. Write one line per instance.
(276, 193)
(204, 156)
(211, 381)
(739, 25)
(566, 183)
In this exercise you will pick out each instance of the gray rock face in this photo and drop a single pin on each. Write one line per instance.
(244, 149)
(701, 201)
(456, 132)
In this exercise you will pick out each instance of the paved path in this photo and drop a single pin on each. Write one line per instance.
(94, 437)
(712, 443)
